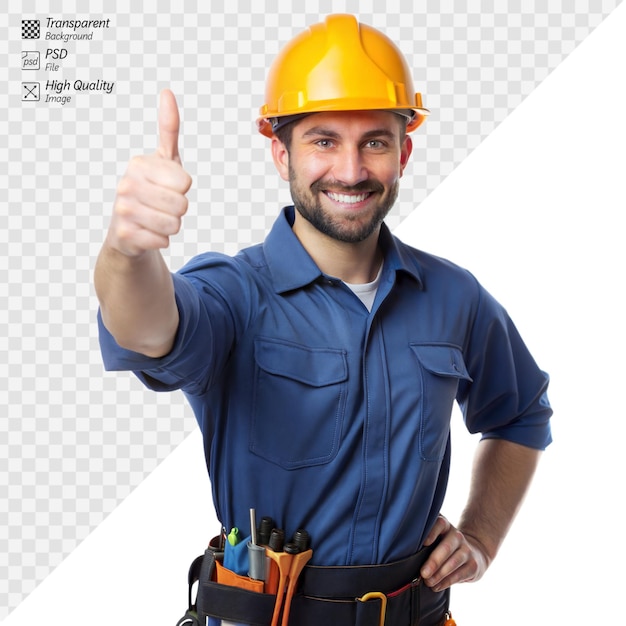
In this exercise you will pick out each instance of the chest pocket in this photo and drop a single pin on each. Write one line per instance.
(441, 367)
(299, 403)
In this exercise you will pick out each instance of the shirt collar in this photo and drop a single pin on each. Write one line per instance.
(291, 266)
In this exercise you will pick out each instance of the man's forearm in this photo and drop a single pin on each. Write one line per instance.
(137, 300)
(501, 476)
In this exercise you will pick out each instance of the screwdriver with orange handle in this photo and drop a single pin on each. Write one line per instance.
(297, 565)
(289, 566)
(283, 561)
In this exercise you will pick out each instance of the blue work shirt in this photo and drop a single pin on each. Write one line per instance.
(324, 415)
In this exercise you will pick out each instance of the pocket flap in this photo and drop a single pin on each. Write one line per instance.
(442, 360)
(317, 367)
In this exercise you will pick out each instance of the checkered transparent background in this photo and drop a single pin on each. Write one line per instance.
(75, 441)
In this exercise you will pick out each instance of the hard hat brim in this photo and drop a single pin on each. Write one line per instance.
(267, 125)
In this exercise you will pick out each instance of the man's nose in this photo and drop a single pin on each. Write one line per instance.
(349, 167)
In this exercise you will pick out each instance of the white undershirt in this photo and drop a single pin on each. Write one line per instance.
(366, 292)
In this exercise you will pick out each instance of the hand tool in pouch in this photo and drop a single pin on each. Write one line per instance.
(256, 553)
(289, 567)
(449, 621)
(297, 564)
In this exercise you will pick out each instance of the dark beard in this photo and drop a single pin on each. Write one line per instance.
(355, 230)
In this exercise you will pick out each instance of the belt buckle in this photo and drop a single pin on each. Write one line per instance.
(383, 603)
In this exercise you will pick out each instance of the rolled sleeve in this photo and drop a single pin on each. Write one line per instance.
(155, 373)
(508, 396)
(203, 339)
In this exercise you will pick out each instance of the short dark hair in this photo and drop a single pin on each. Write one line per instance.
(284, 135)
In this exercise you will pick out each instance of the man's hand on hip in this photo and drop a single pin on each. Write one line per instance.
(457, 558)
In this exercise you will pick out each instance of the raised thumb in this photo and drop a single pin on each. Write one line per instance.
(169, 126)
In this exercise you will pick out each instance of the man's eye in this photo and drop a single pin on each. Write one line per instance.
(375, 143)
(324, 143)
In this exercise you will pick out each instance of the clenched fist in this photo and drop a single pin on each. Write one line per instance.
(151, 200)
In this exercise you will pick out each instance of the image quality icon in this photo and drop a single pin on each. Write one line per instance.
(30, 92)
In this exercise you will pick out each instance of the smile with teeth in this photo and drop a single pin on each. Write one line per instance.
(348, 198)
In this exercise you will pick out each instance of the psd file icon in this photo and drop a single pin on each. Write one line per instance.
(31, 60)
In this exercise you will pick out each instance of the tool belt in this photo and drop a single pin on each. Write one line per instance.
(391, 594)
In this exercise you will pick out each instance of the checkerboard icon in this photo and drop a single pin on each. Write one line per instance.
(30, 29)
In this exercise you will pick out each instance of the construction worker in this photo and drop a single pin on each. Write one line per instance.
(322, 364)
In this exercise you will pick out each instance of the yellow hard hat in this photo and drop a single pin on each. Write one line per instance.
(339, 65)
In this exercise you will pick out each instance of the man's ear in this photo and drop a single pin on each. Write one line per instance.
(405, 152)
(280, 154)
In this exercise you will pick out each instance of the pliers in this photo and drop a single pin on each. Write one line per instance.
(289, 568)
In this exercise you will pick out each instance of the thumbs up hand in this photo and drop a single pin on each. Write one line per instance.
(151, 200)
